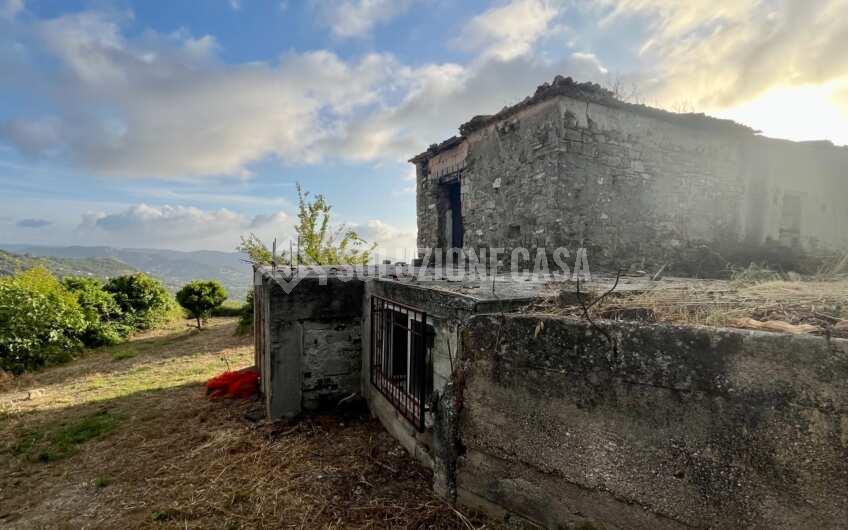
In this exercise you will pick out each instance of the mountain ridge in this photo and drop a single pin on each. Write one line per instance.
(174, 267)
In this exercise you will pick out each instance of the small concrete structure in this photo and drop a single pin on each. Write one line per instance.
(563, 422)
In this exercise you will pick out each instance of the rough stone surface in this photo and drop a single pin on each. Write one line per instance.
(637, 187)
(670, 427)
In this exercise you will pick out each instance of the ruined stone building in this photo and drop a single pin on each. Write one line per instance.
(636, 186)
(529, 410)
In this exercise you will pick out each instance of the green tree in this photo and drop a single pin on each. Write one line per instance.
(143, 300)
(200, 297)
(40, 321)
(319, 243)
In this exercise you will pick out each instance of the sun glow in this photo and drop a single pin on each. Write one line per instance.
(807, 112)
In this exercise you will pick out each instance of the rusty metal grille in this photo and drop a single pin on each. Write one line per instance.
(400, 357)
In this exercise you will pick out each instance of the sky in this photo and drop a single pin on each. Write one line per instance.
(185, 124)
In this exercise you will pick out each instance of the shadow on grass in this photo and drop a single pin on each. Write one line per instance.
(172, 458)
(47, 454)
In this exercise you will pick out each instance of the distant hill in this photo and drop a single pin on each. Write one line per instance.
(175, 268)
(97, 267)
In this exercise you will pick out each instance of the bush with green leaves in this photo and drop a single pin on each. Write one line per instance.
(103, 316)
(40, 321)
(143, 301)
(201, 297)
(245, 323)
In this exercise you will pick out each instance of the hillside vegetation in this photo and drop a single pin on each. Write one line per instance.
(11, 263)
(175, 268)
(45, 320)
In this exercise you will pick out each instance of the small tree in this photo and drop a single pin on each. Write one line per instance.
(144, 301)
(199, 298)
(319, 243)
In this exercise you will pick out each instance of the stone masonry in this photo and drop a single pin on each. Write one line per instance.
(638, 187)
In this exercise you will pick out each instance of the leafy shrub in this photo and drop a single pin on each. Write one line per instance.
(143, 301)
(40, 321)
(102, 313)
(245, 323)
(200, 297)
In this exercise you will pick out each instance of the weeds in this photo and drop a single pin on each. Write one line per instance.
(55, 443)
(753, 274)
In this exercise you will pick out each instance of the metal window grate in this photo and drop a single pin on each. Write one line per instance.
(400, 357)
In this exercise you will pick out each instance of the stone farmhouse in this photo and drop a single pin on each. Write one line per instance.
(637, 187)
(528, 408)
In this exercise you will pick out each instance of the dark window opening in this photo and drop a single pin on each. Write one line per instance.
(401, 359)
(452, 212)
(514, 231)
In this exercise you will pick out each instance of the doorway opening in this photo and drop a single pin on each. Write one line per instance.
(452, 212)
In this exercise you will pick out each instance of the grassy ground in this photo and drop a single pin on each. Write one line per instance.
(125, 438)
(814, 306)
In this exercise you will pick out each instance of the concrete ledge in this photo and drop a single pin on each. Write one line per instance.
(416, 444)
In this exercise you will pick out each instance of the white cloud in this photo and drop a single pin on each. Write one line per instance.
(719, 53)
(441, 97)
(163, 226)
(509, 30)
(235, 5)
(165, 106)
(392, 242)
(356, 18)
(186, 227)
(274, 219)
(591, 59)
(170, 221)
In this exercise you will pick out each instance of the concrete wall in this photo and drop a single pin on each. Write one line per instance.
(312, 344)
(637, 190)
(674, 427)
(445, 313)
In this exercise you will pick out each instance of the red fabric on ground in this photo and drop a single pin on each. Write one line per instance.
(240, 385)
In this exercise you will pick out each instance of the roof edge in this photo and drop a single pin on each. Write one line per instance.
(591, 93)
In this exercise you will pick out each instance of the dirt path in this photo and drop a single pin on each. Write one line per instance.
(125, 438)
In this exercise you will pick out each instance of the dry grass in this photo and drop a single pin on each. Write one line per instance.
(823, 304)
(142, 447)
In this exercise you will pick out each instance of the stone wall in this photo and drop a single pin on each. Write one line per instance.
(673, 427)
(638, 188)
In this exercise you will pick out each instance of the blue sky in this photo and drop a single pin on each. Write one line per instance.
(185, 124)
